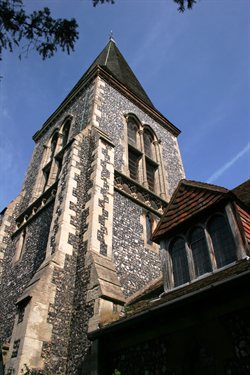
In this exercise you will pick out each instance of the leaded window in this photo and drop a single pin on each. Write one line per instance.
(200, 252)
(223, 242)
(179, 262)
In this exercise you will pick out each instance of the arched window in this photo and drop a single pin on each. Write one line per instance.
(151, 166)
(179, 262)
(148, 143)
(53, 144)
(65, 132)
(132, 132)
(223, 242)
(200, 252)
(134, 154)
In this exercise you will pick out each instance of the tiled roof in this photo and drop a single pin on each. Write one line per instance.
(242, 192)
(113, 61)
(241, 267)
(189, 199)
(245, 220)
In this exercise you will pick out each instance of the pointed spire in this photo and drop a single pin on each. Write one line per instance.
(112, 60)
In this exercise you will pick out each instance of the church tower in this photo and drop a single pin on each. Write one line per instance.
(76, 241)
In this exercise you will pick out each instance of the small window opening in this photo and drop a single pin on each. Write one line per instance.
(149, 227)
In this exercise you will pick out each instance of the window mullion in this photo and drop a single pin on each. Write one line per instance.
(240, 249)
(210, 249)
(190, 261)
(142, 164)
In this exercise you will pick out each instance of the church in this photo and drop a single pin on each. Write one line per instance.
(111, 262)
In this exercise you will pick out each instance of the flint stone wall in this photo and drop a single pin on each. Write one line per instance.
(136, 265)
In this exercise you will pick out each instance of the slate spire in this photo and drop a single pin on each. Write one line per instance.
(113, 61)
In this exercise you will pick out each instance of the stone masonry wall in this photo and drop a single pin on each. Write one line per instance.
(136, 265)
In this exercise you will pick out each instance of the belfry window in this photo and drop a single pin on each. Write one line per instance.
(133, 164)
(142, 165)
(53, 144)
(65, 132)
(148, 144)
(132, 133)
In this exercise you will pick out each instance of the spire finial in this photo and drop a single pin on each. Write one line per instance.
(111, 36)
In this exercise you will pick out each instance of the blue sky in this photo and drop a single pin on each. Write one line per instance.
(194, 67)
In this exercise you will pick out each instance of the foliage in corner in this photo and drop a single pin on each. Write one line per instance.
(38, 30)
(116, 372)
(183, 4)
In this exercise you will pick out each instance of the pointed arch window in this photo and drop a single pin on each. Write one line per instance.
(222, 240)
(198, 245)
(179, 262)
(142, 155)
(132, 132)
(148, 143)
(134, 154)
(53, 144)
(65, 132)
